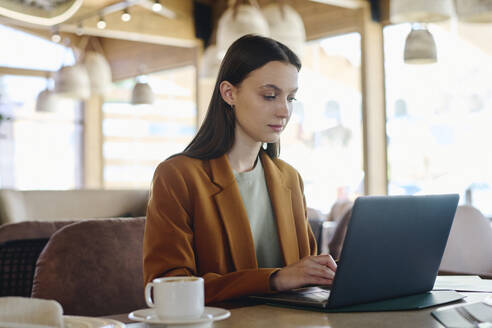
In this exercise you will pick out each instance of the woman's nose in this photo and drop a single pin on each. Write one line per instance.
(284, 109)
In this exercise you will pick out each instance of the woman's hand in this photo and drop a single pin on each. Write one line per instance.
(311, 270)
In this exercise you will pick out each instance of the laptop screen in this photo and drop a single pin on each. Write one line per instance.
(393, 247)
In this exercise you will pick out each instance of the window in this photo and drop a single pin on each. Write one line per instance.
(137, 138)
(323, 139)
(37, 150)
(19, 48)
(439, 115)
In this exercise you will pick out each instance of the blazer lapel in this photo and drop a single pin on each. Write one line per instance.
(282, 208)
(233, 215)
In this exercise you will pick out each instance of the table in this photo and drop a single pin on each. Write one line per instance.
(265, 316)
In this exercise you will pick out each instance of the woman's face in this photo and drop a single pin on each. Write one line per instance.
(263, 101)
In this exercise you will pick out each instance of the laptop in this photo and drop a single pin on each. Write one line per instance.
(390, 257)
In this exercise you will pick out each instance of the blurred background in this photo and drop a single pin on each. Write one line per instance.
(395, 96)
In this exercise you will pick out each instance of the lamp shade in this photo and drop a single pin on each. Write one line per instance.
(286, 26)
(420, 47)
(474, 11)
(47, 101)
(422, 11)
(142, 94)
(99, 72)
(247, 20)
(210, 64)
(72, 82)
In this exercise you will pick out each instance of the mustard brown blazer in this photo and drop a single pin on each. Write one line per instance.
(197, 225)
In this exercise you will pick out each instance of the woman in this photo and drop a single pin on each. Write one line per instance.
(227, 209)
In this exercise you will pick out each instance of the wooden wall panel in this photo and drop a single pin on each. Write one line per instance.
(324, 22)
(129, 58)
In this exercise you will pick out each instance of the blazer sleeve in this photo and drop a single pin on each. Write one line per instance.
(168, 248)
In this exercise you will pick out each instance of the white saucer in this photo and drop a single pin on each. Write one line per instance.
(209, 314)
(72, 321)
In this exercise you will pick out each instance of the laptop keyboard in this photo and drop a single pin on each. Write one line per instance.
(306, 296)
(310, 294)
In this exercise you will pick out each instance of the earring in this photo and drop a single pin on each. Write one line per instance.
(232, 107)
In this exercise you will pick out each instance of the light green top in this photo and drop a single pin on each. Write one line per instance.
(256, 199)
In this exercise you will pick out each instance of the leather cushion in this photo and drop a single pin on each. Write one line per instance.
(93, 267)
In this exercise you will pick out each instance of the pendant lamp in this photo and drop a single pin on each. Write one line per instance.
(474, 11)
(286, 26)
(238, 21)
(99, 72)
(142, 94)
(422, 11)
(420, 47)
(47, 101)
(72, 82)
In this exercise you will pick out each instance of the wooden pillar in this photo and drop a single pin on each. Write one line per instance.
(373, 106)
(92, 143)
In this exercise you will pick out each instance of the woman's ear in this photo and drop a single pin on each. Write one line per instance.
(227, 91)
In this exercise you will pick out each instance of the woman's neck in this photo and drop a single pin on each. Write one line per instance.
(243, 154)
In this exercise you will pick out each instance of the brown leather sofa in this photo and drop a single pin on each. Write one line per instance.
(25, 205)
(28, 221)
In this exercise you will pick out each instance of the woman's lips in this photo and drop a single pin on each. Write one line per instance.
(276, 128)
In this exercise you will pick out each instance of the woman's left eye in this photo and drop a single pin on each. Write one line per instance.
(291, 99)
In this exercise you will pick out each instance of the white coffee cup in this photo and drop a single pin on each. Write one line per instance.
(176, 297)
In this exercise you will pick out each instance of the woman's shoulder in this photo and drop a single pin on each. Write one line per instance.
(179, 164)
(285, 167)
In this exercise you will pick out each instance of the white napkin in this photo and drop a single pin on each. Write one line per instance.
(30, 312)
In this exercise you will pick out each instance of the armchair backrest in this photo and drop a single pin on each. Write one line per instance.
(20, 245)
(93, 267)
(469, 247)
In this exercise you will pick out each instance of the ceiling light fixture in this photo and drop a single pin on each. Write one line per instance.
(72, 82)
(126, 16)
(421, 11)
(56, 37)
(101, 24)
(238, 20)
(474, 11)
(47, 100)
(142, 94)
(80, 30)
(420, 47)
(157, 6)
(286, 26)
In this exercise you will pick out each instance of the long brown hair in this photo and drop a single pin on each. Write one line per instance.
(250, 52)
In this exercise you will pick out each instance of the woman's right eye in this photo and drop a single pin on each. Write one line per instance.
(269, 97)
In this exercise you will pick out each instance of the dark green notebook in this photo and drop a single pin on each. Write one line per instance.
(412, 302)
